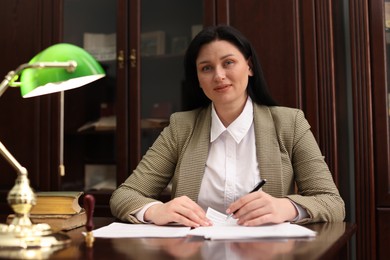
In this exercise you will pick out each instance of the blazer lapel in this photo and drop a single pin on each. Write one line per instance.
(268, 152)
(194, 160)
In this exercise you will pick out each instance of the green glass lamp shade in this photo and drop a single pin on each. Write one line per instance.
(38, 81)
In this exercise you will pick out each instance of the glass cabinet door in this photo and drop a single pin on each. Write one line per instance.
(92, 138)
(381, 107)
(167, 27)
(380, 69)
(387, 67)
(89, 112)
(387, 33)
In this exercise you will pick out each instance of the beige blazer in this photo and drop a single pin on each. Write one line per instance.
(287, 153)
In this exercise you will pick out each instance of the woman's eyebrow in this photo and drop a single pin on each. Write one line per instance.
(223, 57)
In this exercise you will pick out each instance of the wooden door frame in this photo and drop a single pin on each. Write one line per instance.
(363, 132)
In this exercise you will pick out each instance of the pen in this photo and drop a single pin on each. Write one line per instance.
(258, 186)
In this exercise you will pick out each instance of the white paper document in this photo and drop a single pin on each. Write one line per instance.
(220, 219)
(283, 230)
(227, 228)
(116, 230)
(223, 228)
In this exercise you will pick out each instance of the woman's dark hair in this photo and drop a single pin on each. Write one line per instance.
(257, 86)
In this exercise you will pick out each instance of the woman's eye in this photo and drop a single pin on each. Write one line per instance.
(228, 62)
(206, 68)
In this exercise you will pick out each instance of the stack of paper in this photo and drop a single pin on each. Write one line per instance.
(227, 228)
(284, 230)
(223, 228)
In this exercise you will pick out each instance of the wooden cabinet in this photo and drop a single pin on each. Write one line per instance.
(27, 126)
(380, 66)
(370, 85)
(380, 28)
(164, 37)
(141, 45)
(89, 130)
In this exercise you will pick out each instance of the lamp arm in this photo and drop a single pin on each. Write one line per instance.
(8, 156)
(12, 76)
(5, 83)
(9, 79)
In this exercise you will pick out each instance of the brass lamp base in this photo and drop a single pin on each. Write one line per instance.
(30, 242)
(36, 235)
(33, 236)
(21, 233)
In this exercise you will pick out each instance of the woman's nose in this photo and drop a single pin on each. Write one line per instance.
(219, 74)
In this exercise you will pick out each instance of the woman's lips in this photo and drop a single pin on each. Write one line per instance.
(221, 88)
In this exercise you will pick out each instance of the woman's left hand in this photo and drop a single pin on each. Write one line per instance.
(258, 208)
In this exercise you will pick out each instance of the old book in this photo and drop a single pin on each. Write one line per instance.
(57, 222)
(57, 202)
(153, 123)
(105, 123)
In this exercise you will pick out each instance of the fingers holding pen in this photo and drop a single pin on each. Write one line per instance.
(261, 208)
(236, 206)
(245, 204)
(257, 211)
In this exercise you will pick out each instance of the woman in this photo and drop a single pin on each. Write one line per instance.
(234, 136)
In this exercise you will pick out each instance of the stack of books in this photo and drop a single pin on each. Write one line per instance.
(60, 209)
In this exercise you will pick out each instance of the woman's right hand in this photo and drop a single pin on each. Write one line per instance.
(181, 210)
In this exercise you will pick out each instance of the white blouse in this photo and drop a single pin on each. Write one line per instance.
(231, 168)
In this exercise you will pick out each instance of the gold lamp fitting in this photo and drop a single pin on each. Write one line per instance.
(22, 233)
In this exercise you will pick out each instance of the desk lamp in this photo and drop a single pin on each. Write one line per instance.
(60, 67)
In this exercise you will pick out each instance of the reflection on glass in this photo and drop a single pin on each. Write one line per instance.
(89, 113)
(167, 27)
(387, 33)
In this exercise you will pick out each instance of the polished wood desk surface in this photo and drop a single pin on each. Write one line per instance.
(332, 242)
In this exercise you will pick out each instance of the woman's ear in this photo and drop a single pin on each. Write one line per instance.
(250, 72)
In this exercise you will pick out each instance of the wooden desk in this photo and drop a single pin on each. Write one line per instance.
(332, 242)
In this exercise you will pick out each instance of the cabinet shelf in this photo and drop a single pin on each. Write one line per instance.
(153, 123)
(103, 124)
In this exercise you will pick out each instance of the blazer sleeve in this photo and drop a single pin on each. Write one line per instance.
(149, 179)
(317, 192)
